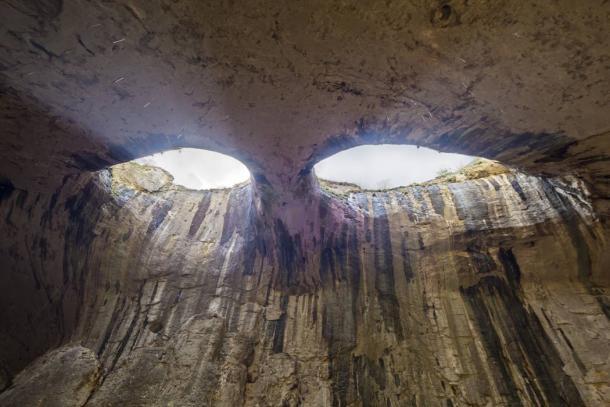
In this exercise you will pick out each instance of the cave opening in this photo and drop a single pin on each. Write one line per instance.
(421, 279)
(198, 169)
(387, 166)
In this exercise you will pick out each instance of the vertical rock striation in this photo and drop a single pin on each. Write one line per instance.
(487, 291)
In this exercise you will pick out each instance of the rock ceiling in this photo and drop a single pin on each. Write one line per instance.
(491, 290)
(281, 84)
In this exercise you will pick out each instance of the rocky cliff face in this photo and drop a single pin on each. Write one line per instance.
(485, 291)
(117, 288)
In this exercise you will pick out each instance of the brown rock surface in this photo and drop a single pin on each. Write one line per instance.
(62, 377)
(488, 288)
(282, 85)
(486, 292)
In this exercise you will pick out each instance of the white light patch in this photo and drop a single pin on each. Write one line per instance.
(388, 166)
(199, 169)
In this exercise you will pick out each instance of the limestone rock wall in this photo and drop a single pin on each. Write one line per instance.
(62, 377)
(483, 292)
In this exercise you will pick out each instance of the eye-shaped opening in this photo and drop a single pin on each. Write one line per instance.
(385, 166)
(198, 169)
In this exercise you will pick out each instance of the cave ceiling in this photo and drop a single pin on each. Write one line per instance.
(279, 85)
(487, 287)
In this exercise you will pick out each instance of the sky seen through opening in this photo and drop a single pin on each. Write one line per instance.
(370, 166)
(388, 165)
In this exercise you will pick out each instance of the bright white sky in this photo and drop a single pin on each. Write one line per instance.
(387, 166)
(199, 169)
(370, 167)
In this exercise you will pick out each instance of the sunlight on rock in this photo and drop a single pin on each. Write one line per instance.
(199, 169)
(388, 166)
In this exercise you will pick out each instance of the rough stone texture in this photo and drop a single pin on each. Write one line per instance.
(142, 177)
(62, 377)
(483, 292)
(488, 291)
(281, 85)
